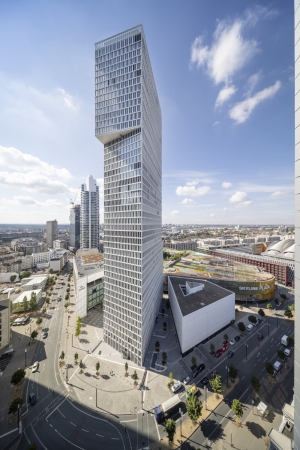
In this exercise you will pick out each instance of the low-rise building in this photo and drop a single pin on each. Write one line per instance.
(58, 258)
(200, 309)
(26, 294)
(181, 245)
(34, 283)
(60, 243)
(88, 275)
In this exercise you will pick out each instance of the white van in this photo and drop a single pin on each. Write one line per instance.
(249, 327)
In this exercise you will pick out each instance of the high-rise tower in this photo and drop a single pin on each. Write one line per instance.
(75, 226)
(51, 231)
(89, 214)
(128, 123)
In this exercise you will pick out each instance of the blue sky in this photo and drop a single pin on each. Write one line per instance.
(224, 75)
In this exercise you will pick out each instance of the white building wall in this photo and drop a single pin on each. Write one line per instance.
(177, 315)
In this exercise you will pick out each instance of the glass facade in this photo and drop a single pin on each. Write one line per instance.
(89, 214)
(75, 226)
(95, 293)
(128, 123)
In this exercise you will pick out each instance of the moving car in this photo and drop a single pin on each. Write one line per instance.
(230, 354)
(44, 335)
(237, 338)
(204, 381)
(32, 398)
(176, 386)
(35, 367)
(186, 380)
(232, 342)
(260, 336)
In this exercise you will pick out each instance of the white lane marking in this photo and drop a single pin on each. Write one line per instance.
(2, 435)
(116, 439)
(87, 431)
(27, 437)
(61, 413)
(56, 408)
(123, 421)
(73, 424)
(157, 429)
(69, 441)
(51, 425)
(38, 439)
(99, 435)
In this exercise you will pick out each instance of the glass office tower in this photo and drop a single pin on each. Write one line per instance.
(128, 123)
(89, 214)
(75, 226)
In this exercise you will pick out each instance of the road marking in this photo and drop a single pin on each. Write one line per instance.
(99, 435)
(87, 431)
(38, 439)
(243, 377)
(2, 435)
(73, 424)
(69, 441)
(123, 421)
(61, 413)
(116, 439)
(56, 408)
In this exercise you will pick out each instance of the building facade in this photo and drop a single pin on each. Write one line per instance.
(128, 123)
(51, 231)
(75, 227)
(297, 226)
(89, 214)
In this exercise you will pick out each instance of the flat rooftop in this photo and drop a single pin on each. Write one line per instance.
(35, 280)
(195, 301)
(89, 262)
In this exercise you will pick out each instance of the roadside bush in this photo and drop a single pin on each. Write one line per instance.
(241, 326)
(252, 319)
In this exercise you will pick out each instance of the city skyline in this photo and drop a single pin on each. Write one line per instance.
(230, 162)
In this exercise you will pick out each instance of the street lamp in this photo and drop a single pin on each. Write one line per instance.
(246, 345)
(180, 412)
(268, 328)
(25, 356)
(227, 370)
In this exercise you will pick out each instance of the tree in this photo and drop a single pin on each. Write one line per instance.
(269, 368)
(43, 310)
(280, 354)
(17, 376)
(13, 408)
(269, 306)
(225, 337)
(212, 347)
(18, 307)
(33, 446)
(126, 368)
(66, 305)
(12, 278)
(25, 274)
(33, 301)
(171, 379)
(62, 355)
(283, 296)
(97, 367)
(255, 383)
(34, 334)
(252, 319)
(232, 372)
(77, 331)
(261, 312)
(288, 313)
(39, 320)
(290, 340)
(292, 307)
(276, 301)
(193, 361)
(81, 365)
(135, 375)
(241, 326)
(170, 429)
(76, 357)
(164, 357)
(157, 345)
(67, 297)
(50, 270)
(194, 408)
(237, 408)
(216, 384)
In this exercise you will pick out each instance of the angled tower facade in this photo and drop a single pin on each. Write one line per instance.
(89, 214)
(75, 226)
(128, 123)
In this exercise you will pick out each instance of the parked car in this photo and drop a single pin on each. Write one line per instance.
(35, 367)
(224, 348)
(218, 353)
(186, 380)
(204, 381)
(230, 354)
(232, 342)
(32, 398)
(237, 338)
(44, 335)
(201, 367)
(196, 373)
(249, 327)
(258, 321)
(255, 324)
(287, 352)
(260, 336)
(176, 386)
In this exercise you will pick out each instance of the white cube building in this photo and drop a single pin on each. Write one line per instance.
(200, 309)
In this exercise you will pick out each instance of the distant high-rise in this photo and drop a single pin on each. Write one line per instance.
(89, 214)
(128, 123)
(75, 226)
(51, 231)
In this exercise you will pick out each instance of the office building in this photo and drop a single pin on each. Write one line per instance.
(89, 214)
(58, 259)
(74, 227)
(297, 227)
(200, 309)
(88, 280)
(128, 123)
(51, 231)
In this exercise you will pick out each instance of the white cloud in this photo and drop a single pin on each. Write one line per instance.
(15, 159)
(211, 215)
(192, 191)
(188, 201)
(216, 123)
(225, 95)
(33, 181)
(241, 111)
(226, 185)
(175, 213)
(227, 55)
(27, 200)
(278, 194)
(68, 99)
(193, 183)
(252, 83)
(241, 199)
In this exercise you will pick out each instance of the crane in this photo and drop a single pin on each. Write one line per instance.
(73, 201)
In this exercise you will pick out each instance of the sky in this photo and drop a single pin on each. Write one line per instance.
(224, 73)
